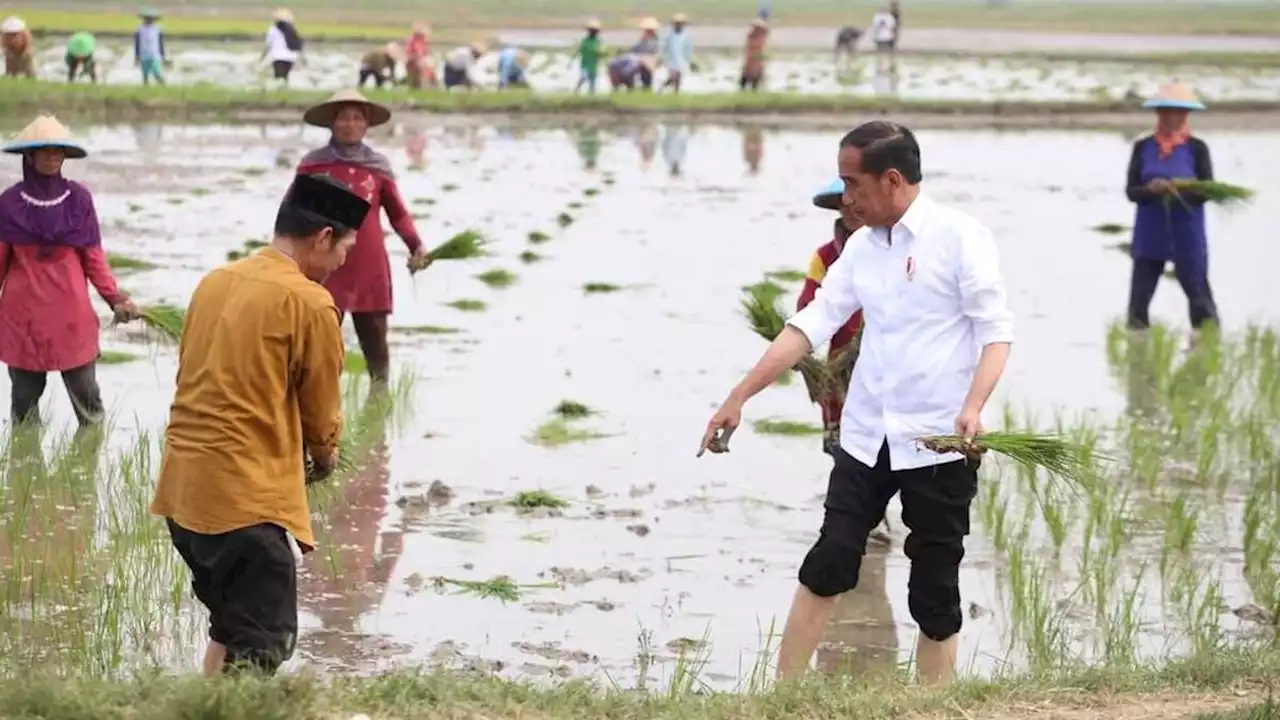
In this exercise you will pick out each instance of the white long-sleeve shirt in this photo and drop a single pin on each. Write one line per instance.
(930, 300)
(884, 28)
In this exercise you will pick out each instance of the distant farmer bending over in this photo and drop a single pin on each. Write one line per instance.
(19, 53)
(79, 57)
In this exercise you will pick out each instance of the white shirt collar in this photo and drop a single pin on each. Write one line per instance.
(913, 221)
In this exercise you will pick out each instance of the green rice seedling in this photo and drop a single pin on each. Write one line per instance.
(591, 192)
(529, 257)
(600, 288)
(465, 245)
(468, 305)
(116, 357)
(558, 432)
(499, 587)
(786, 275)
(760, 308)
(126, 264)
(575, 205)
(1213, 191)
(692, 659)
(766, 290)
(425, 330)
(564, 219)
(537, 237)
(572, 410)
(1053, 454)
(1122, 624)
(1110, 229)
(255, 244)
(449, 187)
(772, 426)
(1035, 619)
(497, 278)
(168, 320)
(424, 201)
(254, 171)
(234, 255)
(355, 363)
(533, 499)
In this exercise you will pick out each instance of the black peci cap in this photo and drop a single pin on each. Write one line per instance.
(327, 199)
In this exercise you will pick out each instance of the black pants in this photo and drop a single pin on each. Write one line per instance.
(456, 77)
(935, 508)
(280, 69)
(371, 331)
(248, 580)
(750, 81)
(1194, 282)
(82, 388)
(378, 78)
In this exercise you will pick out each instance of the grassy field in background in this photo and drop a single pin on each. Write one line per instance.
(184, 101)
(1228, 684)
(390, 18)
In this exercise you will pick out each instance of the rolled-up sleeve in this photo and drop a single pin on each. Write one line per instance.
(982, 292)
(834, 303)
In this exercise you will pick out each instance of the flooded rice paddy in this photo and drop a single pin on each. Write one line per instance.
(911, 77)
(629, 246)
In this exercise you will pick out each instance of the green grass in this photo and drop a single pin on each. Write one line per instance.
(356, 363)
(117, 357)
(786, 275)
(786, 427)
(600, 288)
(200, 101)
(532, 499)
(388, 19)
(124, 263)
(468, 305)
(572, 409)
(529, 257)
(558, 431)
(1076, 691)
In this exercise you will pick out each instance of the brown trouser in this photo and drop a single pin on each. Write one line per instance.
(19, 64)
(82, 388)
(371, 331)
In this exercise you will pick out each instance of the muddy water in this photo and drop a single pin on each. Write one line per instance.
(910, 77)
(657, 550)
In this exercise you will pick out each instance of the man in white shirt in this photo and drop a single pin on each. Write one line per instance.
(283, 45)
(884, 30)
(935, 341)
(459, 63)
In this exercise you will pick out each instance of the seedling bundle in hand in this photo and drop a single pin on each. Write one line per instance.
(1219, 193)
(1050, 453)
(466, 245)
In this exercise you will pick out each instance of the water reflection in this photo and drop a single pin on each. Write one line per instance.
(752, 147)
(587, 141)
(675, 143)
(415, 147)
(346, 578)
(861, 637)
(647, 142)
(149, 136)
(885, 79)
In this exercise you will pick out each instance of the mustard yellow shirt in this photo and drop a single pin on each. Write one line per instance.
(258, 381)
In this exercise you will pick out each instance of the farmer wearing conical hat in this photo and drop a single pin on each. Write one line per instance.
(1168, 228)
(283, 45)
(588, 55)
(50, 244)
(148, 47)
(753, 61)
(459, 63)
(512, 62)
(417, 65)
(19, 52)
(677, 52)
(648, 44)
(257, 394)
(362, 287)
(380, 65)
(631, 70)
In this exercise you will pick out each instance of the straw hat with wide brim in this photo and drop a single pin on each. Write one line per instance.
(760, 23)
(478, 48)
(13, 25)
(1178, 96)
(679, 19)
(421, 28)
(45, 132)
(650, 24)
(322, 115)
(593, 24)
(282, 15)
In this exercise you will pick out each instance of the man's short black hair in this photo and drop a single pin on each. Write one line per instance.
(315, 202)
(886, 146)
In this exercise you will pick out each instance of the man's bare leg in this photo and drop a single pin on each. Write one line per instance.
(936, 661)
(805, 625)
(214, 655)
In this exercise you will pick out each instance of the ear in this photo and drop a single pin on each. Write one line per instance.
(325, 239)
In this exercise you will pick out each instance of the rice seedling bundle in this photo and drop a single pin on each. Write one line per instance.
(1050, 453)
(168, 320)
(766, 320)
(1219, 193)
(465, 245)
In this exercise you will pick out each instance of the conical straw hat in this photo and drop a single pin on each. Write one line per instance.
(479, 48)
(593, 24)
(282, 15)
(421, 28)
(650, 23)
(679, 18)
(13, 25)
(322, 115)
(45, 132)
(1179, 96)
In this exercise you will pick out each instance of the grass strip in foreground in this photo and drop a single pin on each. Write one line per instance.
(185, 101)
(1221, 683)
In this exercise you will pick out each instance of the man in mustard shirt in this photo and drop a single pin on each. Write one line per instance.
(257, 392)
